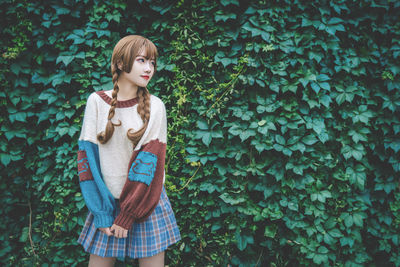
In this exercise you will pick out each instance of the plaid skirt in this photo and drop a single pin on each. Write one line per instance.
(144, 239)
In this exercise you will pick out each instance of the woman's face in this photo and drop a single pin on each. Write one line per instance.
(142, 70)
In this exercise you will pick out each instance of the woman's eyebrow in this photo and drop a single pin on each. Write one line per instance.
(145, 57)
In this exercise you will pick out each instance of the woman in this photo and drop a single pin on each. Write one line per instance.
(121, 160)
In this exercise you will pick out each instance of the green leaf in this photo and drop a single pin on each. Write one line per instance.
(325, 86)
(325, 100)
(20, 116)
(335, 20)
(215, 227)
(241, 240)
(348, 220)
(340, 98)
(15, 68)
(262, 122)
(323, 78)
(235, 130)
(206, 138)
(270, 230)
(72, 130)
(24, 234)
(62, 131)
(207, 187)
(65, 59)
(69, 113)
(60, 116)
(323, 249)
(228, 2)
(318, 125)
(326, 194)
(315, 87)
(246, 134)
(358, 219)
(309, 139)
(279, 139)
(202, 125)
(320, 258)
(224, 17)
(80, 205)
(230, 200)
(5, 159)
(293, 206)
(335, 233)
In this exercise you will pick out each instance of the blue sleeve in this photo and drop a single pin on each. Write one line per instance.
(98, 198)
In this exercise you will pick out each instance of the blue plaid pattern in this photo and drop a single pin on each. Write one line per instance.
(145, 239)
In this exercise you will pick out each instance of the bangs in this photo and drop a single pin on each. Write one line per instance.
(149, 50)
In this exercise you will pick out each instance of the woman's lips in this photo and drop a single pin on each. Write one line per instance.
(145, 77)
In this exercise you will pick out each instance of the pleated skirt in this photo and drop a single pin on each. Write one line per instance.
(144, 239)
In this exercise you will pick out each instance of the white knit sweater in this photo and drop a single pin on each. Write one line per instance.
(116, 153)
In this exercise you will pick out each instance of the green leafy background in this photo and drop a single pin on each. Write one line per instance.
(283, 126)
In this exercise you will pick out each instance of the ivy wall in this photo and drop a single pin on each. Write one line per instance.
(283, 126)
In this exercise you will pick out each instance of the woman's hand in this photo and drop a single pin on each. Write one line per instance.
(118, 231)
(106, 230)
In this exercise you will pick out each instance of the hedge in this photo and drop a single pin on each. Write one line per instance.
(283, 126)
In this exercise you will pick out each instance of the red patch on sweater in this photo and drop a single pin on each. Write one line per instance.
(84, 171)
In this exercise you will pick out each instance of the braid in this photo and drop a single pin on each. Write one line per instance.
(144, 104)
(104, 136)
(144, 112)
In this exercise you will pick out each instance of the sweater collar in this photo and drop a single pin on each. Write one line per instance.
(120, 103)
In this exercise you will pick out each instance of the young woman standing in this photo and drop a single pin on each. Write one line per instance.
(121, 159)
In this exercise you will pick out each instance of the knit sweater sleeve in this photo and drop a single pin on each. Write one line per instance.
(98, 198)
(141, 192)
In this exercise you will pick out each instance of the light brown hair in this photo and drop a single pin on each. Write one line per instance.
(125, 52)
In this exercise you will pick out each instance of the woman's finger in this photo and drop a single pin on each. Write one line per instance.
(108, 232)
(118, 231)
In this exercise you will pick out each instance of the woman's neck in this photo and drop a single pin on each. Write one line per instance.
(127, 90)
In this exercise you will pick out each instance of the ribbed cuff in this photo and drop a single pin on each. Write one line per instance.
(124, 220)
(103, 220)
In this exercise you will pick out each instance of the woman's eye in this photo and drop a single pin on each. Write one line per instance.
(153, 63)
(141, 59)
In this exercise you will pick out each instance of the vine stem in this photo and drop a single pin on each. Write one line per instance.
(259, 258)
(229, 86)
(169, 158)
(30, 228)
(190, 179)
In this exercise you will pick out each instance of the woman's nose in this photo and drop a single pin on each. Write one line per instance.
(147, 67)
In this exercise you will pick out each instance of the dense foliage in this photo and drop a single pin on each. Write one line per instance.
(283, 120)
